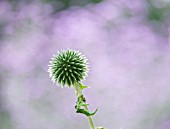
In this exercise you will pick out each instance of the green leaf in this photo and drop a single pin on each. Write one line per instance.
(83, 111)
(80, 104)
(83, 87)
(91, 114)
(99, 128)
(83, 104)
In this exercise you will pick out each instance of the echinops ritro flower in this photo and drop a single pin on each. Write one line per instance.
(68, 67)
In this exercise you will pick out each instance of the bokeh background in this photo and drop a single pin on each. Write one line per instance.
(126, 42)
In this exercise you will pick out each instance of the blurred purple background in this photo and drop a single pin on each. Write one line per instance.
(126, 42)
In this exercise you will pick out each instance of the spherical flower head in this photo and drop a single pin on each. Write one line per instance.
(68, 68)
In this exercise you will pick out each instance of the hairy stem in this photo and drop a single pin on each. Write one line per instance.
(79, 93)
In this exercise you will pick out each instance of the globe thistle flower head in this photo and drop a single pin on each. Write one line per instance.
(68, 67)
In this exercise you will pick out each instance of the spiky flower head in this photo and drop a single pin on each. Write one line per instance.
(68, 67)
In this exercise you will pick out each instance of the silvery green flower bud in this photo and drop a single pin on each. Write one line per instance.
(68, 67)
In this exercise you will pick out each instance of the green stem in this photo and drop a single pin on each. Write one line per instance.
(79, 93)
